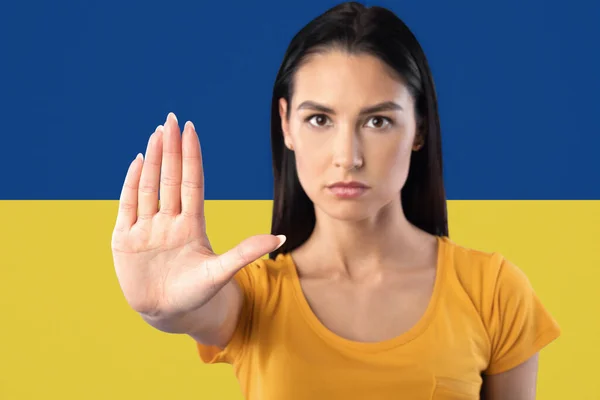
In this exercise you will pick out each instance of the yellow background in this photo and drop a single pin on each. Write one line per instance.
(67, 332)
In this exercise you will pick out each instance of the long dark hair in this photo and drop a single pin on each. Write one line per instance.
(367, 30)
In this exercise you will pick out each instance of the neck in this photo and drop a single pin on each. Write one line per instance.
(363, 248)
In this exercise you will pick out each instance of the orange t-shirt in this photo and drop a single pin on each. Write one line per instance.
(483, 317)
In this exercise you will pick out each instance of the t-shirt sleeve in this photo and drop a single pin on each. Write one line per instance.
(519, 324)
(246, 279)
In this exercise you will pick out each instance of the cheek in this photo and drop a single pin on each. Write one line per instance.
(309, 167)
(312, 155)
(390, 163)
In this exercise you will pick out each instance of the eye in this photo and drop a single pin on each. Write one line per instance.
(319, 120)
(379, 122)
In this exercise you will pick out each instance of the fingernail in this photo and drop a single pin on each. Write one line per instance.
(282, 240)
(152, 138)
(139, 156)
(172, 114)
(191, 125)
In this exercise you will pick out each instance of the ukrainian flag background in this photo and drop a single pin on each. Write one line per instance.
(84, 84)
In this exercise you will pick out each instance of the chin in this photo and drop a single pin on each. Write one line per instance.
(348, 210)
(373, 205)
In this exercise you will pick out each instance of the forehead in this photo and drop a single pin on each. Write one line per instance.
(337, 77)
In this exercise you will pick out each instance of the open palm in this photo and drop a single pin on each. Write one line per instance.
(162, 256)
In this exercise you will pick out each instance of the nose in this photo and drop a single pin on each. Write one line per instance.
(347, 152)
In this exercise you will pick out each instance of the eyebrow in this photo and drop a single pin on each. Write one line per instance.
(385, 106)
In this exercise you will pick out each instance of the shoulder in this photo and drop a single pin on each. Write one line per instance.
(492, 283)
(264, 276)
(517, 323)
(483, 271)
(267, 269)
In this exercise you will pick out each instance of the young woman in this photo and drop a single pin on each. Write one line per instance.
(363, 296)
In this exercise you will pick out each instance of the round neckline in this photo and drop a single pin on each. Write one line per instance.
(403, 338)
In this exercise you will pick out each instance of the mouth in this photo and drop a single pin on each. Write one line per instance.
(348, 190)
(350, 184)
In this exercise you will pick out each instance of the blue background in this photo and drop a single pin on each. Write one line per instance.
(84, 84)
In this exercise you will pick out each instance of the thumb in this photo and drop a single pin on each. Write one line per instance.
(249, 250)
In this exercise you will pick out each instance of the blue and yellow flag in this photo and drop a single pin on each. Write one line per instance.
(83, 85)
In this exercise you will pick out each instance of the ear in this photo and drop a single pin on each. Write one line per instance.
(285, 126)
(419, 142)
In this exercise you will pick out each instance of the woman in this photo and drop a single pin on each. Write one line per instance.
(368, 298)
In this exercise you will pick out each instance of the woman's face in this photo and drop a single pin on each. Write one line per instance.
(350, 121)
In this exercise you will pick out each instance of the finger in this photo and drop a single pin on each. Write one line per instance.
(246, 252)
(128, 200)
(149, 180)
(192, 185)
(170, 180)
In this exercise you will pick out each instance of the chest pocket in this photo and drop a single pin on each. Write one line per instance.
(455, 389)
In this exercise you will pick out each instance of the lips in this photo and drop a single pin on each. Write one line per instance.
(348, 190)
(348, 185)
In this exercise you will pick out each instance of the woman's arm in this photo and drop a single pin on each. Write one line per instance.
(518, 383)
